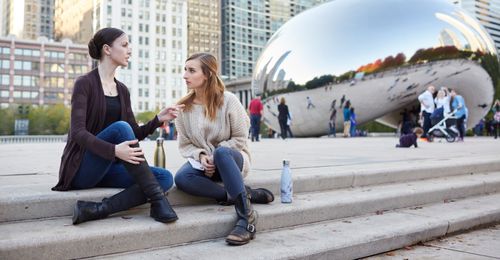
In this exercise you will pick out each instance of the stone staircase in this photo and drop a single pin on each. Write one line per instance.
(334, 215)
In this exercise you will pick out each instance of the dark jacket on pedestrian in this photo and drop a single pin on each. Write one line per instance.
(408, 140)
(88, 113)
(283, 113)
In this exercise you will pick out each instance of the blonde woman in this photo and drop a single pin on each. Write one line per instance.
(442, 100)
(213, 133)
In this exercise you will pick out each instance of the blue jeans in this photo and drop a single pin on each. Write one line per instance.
(353, 130)
(255, 123)
(228, 165)
(427, 123)
(332, 129)
(283, 127)
(96, 171)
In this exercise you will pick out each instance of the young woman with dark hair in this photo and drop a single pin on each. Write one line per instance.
(213, 130)
(102, 148)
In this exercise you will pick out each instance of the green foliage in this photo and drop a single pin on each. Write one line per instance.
(319, 82)
(49, 120)
(43, 120)
(7, 121)
(376, 127)
(145, 117)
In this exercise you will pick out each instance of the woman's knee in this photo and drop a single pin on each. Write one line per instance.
(221, 152)
(164, 178)
(124, 129)
(184, 179)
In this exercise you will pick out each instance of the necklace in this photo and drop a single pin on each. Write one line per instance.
(108, 90)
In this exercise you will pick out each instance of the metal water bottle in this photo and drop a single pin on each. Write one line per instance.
(286, 183)
(159, 151)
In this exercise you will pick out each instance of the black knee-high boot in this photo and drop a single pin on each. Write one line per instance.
(160, 208)
(147, 187)
(126, 199)
(245, 229)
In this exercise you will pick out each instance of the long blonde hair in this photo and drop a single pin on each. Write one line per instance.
(214, 89)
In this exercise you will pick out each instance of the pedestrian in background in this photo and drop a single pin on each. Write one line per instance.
(496, 117)
(353, 123)
(289, 124)
(458, 103)
(255, 110)
(409, 140)
(426, 100)
(332, 121)
(347, 118)
(283, 116)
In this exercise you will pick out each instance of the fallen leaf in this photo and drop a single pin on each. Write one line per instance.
(390, 254)
(408, 248)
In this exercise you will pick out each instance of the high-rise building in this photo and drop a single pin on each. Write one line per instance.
(157, 31)
(73, 20)
(40, 72)
(204, 27)
(488, 14)
(2, 15)
(28, 19)
(248, 25)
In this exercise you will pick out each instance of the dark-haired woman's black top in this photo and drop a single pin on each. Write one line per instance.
(113, 108)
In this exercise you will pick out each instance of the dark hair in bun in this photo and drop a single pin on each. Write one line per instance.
(101, 37)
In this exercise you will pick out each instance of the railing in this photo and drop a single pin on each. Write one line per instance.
(11, 139)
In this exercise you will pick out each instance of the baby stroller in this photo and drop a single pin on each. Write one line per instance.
(443, 126)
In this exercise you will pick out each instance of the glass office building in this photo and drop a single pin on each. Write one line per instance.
(246, 28)
(488, 14)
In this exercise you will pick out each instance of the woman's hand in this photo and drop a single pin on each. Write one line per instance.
(129, 154)
(169, 113)
(208, 164)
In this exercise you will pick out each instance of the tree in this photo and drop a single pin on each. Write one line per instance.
(7, 121)
(144, 117)
(49, 120)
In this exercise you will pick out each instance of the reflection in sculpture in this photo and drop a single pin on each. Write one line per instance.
(378, 54)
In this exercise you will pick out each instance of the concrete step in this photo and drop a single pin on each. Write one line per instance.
(349, 238)
(56, 238)
(34, 201)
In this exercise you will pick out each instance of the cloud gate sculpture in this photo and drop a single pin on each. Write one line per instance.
(378, 54)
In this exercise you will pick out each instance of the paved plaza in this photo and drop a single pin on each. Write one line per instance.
(39, 162)
(29, 171)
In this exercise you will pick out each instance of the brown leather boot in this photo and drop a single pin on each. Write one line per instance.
(245, 229)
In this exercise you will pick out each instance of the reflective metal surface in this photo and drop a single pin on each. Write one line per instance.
(380, 55)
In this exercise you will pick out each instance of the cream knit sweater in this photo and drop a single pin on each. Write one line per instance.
(197, 134)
